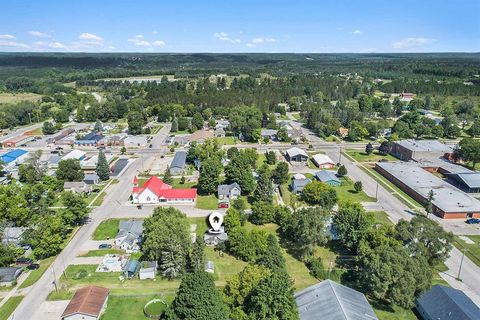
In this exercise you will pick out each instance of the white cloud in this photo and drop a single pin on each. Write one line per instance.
(140, 41)
(90, 36)
(263, 40)
(7, 36)
(57, 45)
(357, 32)
(13, 44)
(413, 42)
(158, 43)
(250, 45)
(223, 36)
(39, 34)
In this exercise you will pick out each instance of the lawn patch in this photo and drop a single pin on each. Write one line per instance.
(209, 202)
(346, 191)
(131, 306)
(107, 229)
(362, 156)
(101, 252)
(381, 217)
(7, 309)
(472, 250)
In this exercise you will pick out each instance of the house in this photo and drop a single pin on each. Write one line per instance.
(77, 187)
(328, 300)
(222, 124)
(88, 303)
(270, 134)
(443, 302)
(53, 161)
(323, 161)
(62, 135)
(296, 154)
(148, 270)
(297, 185)
(406, 96)
(13, 158)
(209, 267)
(17, 141)
(200, 136)
(298, 176)
(75, 154)
(90, 163)
(411, 149)
(466, 181)
(328, 177)
(90, 139)
(180, 140)
(130, 235)
(131, 269)
(116, 141)
(8, 275)
(177, 166)
(91, 179)
(219, 133)
(229, 191)
(12, 235)
(135, 141)
(157, 191)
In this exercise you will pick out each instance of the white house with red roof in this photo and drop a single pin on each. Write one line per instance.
(157, 191)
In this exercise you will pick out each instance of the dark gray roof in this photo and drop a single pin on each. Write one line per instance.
(132, 227)
(470, 179)
(8, 274)
(447, 303)
(179, 160)
(325, 175)
(224, 189)
(91, 176)
(329, 300)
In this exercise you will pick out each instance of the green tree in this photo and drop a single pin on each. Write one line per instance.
(70, 170)
(262, 212)
(319, 193)
(342, 171)
(98, 126)
(135, 122)
(197, 120)
(352, 224)
(273, 256)
(48, 128)
(123, 150)
(197, 298)
(196, 259)
(75, 210)
(247, 245)
(239, 170)
(167, 176)
(469, 150)
(270, 157)
(232, 219)
(47, 236)
(358, 186)
(273, 298)
(280, 173)
(369, 148)
(102, 168)
(209, 178)
(264, 189)
(167, 240)
(174, 127)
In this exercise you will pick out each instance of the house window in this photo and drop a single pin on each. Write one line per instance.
(148, 199)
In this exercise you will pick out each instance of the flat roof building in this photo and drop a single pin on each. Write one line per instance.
(17, 141)
(467, 181)
(75, 154)
(412, 149)
(448, 202)
(13, 157)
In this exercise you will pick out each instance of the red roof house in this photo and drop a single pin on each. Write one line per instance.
(157, 191)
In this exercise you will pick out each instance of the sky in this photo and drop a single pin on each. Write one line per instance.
(306, 26)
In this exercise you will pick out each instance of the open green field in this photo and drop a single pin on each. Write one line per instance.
(106, 230)
(131, 306)
(17, 97)
(227, 141)
(7, 309)
(346, 192)
(37, 274)
(209, 202)
(472, 250)
(362, 156)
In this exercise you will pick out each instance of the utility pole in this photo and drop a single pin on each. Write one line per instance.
(461, 263)
(54, 280)
(30, 117)
(64, 269)
(376, 193)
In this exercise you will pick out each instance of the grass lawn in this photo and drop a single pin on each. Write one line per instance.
(17, 97)
(7, 309)
(362, 156)
(101, 252)
(99, 200)
(107, 229)
(37, 274)
(381, 217)
(60, 295)
(207, 202)
(347, 192)
(131, 307)
(187, 185)
(387, 312)
(311, 165)
(202, 225)
(473, 250)
(225, 266)
(180, 132)
(227, 141)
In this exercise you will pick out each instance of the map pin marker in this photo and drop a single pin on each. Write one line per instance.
(215, 219)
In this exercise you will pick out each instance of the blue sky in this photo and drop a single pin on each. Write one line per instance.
(241, 26)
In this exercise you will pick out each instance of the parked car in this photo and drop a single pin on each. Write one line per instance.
(24, 261)
(105, 246)
(473, 221)
(223, 205)
(33, 266)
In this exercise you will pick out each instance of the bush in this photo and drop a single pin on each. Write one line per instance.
(317, 270)
(262, 213)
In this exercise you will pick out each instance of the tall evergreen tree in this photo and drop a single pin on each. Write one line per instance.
(102, 169)
(264, 188)
(167, 176)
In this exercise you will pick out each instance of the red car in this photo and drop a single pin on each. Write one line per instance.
(223, 205)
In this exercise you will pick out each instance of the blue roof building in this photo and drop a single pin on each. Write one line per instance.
(90, 139)
(12, 156)
(328, 177)
(131, 268)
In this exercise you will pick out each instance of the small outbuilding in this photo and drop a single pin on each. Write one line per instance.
(323, 161)
(298, 185)
(148, 270)
(328, 177)
(209, 267)
(443, 302)
(91, 179)
(88, 303)
(131, 269)
(296, 154)
(77, 187)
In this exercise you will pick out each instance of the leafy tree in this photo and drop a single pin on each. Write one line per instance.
(167, 240)
(167, 176)
(98, 126)
(425, 237)
(306, 229)
(232, 219)
(240, 286)
(262, 212)
(247, 245)
(47, 236)
(232, 152)
(342, 171)
(197, 298)
(282, 135)
(197, 121)
(174, 127)
(469, 149)
(319, 193)
(135, 122)
(239, 170)
(384, 148)
(81, 113)
(369, 148)
(273, 256)
(239, 204)
(32, 170)
(280, 173)
(102, 168)
(273, 298)
(209, 178)
(352, 224)
(358, 186)
(196, 259)
(270, 157)
(7, 254)
(76, 208)
(13, 207)
(123, 150)
(474, 129)
(429, 206)
(70, 170)
(264, 189)
(48, 128)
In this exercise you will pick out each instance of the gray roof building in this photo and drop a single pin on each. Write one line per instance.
(467, 181)
(91, 178)
(177, 166)
(329, 300)
(296, 154)
(12, 235)
(297, 185)
(442, 302)
(326, 176)
(419, 149)
(226, 189)
(9, 274)
(77, 186)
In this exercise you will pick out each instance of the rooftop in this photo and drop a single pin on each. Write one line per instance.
(179, 160)
(325, 175)
(425, 145)
(322, 158)
(471, 179)
(74, 154)
(329, 300)
(296, 151)
(12, 155)
(88, 301)
(446, 197)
